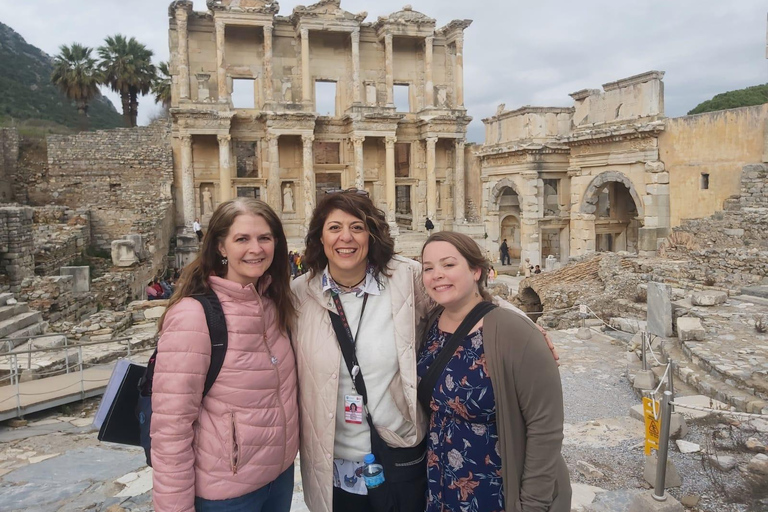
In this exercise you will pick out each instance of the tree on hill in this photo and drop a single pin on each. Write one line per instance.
(76, 75)
(161, 86)
(756, 95)
(127, 69)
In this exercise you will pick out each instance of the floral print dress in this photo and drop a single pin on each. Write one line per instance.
(464, 464)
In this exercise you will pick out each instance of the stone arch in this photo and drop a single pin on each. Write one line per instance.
(498, 189)
(591, 196)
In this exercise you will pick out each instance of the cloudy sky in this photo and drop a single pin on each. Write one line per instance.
(517, 52)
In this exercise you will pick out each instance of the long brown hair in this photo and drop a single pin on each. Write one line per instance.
(194, 278)
(381, 246)
(469, 250)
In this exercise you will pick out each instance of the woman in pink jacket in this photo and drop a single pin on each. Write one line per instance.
(234, 449)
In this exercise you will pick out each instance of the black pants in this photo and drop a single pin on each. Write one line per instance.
(199, 235)
(344, 501)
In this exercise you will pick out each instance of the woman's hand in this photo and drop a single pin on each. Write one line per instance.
(549, 344)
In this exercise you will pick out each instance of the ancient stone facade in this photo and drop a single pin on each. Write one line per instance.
(60, 237)
(330, 102)
(9, 156)
(17, 260)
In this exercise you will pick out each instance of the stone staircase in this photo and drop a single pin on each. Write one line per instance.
(18, 321)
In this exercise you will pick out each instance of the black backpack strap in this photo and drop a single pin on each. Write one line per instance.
(217, 327)
(429, 380)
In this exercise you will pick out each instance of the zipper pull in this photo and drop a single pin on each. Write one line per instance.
(274, 360)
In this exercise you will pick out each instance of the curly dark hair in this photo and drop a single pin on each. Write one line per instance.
(381, 246)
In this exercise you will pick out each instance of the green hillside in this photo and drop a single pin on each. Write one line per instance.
(26, 92)
(756, 95)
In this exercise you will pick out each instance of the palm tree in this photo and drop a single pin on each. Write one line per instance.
(161, 86)
(127, 68)
(76, 75)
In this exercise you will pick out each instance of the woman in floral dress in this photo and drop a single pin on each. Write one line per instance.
(496, 425)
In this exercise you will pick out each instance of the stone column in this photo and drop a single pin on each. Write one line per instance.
(429, 87)
(357, 141)
(390, 69)
(431, 179)
(268, 85)
(391, 179)
(225, 168)
(183, 35)
(306, 82)
(308, 182)
(187, 181)
(221, 67)
(459, 75)
(458, 181)
(356, 66)
(274, 197)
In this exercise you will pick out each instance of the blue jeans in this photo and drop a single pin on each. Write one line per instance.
(276, 496)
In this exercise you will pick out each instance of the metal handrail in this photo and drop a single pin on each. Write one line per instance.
(70, 346)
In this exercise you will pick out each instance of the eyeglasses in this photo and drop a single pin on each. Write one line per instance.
(352, 190)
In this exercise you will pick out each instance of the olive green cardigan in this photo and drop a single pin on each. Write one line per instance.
(529, 413)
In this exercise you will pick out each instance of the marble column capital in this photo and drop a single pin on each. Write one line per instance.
(307, 139)
(390, 140)
(357, 140)
(224, 139)
(356, 34)
(268, 29)
(272, 137)
(431, 142)
(304, 32)
(186, 140)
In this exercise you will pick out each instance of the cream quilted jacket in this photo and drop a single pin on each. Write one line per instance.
(318, 358)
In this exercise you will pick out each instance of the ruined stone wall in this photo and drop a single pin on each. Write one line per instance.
(17, 250)
(123, 176)
(54, 297)
(718, 144)
(9, 156)
(61, 235)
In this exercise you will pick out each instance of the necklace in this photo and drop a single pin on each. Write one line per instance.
(352, 286)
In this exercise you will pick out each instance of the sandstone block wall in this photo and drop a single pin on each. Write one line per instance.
(9, 156)
(61, 235)
(55, 298)
(123, 176)
(17, 259)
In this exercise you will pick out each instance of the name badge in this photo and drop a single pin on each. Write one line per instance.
(353, 409)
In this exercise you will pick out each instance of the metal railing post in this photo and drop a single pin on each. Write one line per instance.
(18, 385)
(661, 462)
(671, 381)
(128, 342)
(29, 354)
(645, 348)
(80, 369)
(66, 352)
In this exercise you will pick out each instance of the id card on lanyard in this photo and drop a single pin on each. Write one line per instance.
(353, 404)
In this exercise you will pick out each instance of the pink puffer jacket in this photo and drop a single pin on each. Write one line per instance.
(245, 432)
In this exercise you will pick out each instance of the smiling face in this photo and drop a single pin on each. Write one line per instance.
(345, 243)
(250, 247)
(447, 277)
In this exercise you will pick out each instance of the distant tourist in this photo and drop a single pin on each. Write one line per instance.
(537, 270)
(233, 450)
(492, 275)
(198, 230)
(151, 291)
(429, 226)
(526, 267)
(504, 251)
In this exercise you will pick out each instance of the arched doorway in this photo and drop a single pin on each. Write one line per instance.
(530, 302)
(509, 212)
(612, 199)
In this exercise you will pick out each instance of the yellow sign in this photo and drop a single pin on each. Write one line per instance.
(652, 425)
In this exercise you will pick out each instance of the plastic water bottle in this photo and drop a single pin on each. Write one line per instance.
(373, 473)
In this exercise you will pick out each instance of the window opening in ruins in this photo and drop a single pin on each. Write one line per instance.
(325, 182)
(704, 181)
(327, 153)
(247, 163)
(403, 159)
(530, 302)
(509, 213)
(243, 93)
(550, 243)
(325, 98)
(551, 197)
(403, 200)
(254, 192)
(604, 204)
(617, 224)
(402, 96)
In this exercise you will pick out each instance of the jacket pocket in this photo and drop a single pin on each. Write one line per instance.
(234, 453)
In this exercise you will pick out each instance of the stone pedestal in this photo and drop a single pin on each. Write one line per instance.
(671, 476)
(690, 329)
(659, 309)
(123, 253)
(646, 503)
(186, 249)
(138, 245)
(645, 379)
(81, 278)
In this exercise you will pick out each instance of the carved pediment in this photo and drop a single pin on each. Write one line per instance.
(254, 6)
(454, 27)
(406, 21)
(408, 15)
(326, 9)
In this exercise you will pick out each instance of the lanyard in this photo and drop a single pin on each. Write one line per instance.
(337, 301)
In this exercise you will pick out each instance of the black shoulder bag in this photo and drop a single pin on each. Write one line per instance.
(429, 380)
(405, 469)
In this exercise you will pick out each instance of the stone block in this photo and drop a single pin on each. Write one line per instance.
(138, 244)
(759, 464)
(708, 298)
(645, 502)
(659, 309)
(630, 325)
(734, 232)
(671, 477)
(678, 428)
(81, 278)
(690, 329)
(584, 333)
(687, 447)
(123, 253)
(154, 313)
(645, 379)
(724, 463)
